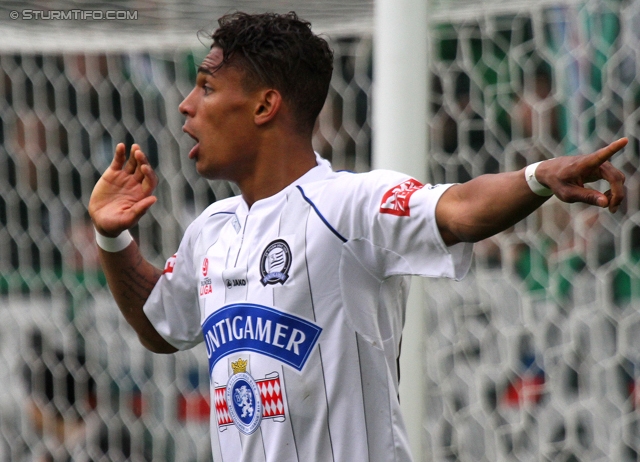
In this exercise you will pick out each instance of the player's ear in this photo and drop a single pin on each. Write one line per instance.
(268, 106)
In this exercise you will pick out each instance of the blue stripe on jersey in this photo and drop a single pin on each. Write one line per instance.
(222, 213)
(324, 220)
(251, 327)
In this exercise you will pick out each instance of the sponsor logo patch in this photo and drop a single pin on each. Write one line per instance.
(275, 263)
(205, 287)
(231, 283)
(249, 327)
(396, 200)
(171, 263)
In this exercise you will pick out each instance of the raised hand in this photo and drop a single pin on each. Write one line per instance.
(124, 192)
(567, 175)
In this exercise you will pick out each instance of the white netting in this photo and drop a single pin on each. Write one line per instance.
(533, 357)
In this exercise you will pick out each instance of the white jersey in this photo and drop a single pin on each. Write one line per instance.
(300, 301)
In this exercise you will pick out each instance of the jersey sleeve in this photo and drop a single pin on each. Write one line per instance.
(172, 307)
(400, 212)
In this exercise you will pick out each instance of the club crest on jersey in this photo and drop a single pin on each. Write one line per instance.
(396, 200)
(243, 399)
(245, 402)
(275, 263)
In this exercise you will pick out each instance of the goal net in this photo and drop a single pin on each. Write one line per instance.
(535, 356)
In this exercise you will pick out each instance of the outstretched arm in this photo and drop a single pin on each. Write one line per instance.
(120, 198)
(489, 204)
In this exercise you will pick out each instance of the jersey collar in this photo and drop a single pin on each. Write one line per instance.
(317, 173)
(321, 171)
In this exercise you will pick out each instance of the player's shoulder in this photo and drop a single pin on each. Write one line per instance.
(348, 184)
(344, 196)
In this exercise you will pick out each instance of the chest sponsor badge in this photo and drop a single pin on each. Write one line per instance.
(275, 263)
(396, 200)
(249, 327)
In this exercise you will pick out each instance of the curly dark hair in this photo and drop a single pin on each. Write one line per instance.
(281, 52)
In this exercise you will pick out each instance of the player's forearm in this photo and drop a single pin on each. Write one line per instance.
(131, 279)
(485, 206)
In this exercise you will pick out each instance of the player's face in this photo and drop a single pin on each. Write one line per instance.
(220, 117)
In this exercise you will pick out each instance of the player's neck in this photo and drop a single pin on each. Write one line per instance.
(276, 168)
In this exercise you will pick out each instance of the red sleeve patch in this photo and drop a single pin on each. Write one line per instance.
(171, 263)
(396, 200)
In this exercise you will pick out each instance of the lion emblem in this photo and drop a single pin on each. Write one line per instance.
(244, 400)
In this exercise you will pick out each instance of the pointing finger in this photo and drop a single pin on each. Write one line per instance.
(604, 154)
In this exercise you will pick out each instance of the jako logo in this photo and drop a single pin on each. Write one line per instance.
(231, 283)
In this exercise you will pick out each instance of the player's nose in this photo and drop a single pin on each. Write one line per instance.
(186, 107)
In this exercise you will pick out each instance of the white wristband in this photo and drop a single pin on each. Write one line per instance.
(534, 184)
(114, 244)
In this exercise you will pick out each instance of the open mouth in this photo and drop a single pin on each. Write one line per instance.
(194, 150)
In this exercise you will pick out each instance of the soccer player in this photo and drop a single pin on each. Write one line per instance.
(298, 286)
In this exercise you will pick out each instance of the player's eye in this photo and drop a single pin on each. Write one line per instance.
(207, 89)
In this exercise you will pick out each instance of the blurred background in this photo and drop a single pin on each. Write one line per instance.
(535, 356)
